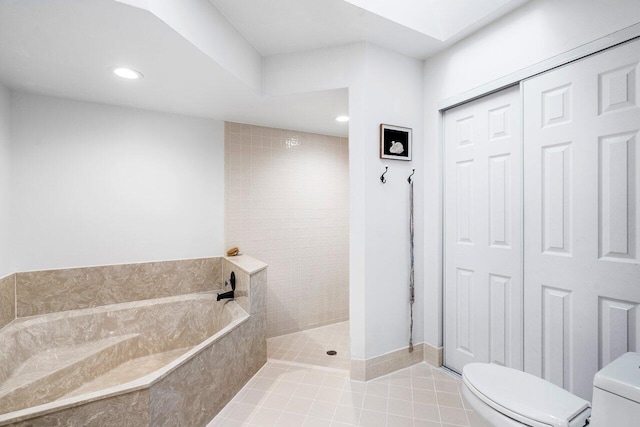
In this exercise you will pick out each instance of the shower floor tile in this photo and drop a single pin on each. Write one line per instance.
(294, 395)
(310, 347)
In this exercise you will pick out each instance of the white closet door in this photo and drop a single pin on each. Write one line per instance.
(582, 278)
(483, 232)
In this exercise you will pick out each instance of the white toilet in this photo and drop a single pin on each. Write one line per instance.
(506, 397)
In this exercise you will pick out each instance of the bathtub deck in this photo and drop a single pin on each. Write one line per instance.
(128, 371)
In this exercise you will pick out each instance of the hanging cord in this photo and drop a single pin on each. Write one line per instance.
(411, 274)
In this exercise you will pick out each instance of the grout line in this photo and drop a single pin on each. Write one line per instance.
(308, 330)
(449, 372)
(306, 365)
(358, 410)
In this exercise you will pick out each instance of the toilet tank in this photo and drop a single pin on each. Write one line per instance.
(616, 393)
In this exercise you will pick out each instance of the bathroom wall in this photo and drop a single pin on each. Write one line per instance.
(6, 253)
(384, 87)
(287, 204)
(393, 95)
(97, 184)
(539, 30)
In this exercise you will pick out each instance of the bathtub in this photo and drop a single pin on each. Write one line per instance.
(166, 361)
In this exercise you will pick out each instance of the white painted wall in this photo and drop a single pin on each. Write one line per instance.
(389, 91)
(384, 87)
(6, 252)
(96, 184)
(314, 70)
(539, 30)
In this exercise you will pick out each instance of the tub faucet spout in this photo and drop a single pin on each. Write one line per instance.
(229, 294)
(225, 295)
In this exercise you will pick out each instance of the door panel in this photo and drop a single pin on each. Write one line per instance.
(582, 278)
(483, 244)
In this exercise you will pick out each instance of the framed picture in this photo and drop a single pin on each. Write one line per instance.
(395, 142)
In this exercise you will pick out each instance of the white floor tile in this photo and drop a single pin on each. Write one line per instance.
(288, 393)
(347, 414)
(373, 419)
(311, 346)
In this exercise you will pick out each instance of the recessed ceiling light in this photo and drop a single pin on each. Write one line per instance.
(342, 118)
(127, 73)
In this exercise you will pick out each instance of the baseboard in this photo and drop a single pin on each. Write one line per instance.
(433, 355)
(367, 369)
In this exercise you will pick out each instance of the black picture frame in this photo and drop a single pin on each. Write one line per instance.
(395, 142)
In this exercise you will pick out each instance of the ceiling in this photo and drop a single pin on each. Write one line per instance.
(417, 28)
(65, 48)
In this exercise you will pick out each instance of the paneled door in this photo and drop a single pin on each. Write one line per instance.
(582, 277)
(483, 231)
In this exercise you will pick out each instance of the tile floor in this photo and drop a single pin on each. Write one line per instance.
(302, 386)
(310, 346)
(294, 395)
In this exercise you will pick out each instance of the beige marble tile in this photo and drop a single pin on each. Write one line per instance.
(126, 410)
(173, 360)
(51, 291)
(161, 324)
(7, 300)
(63, 355)
(243, 280)
(49, 375)
(197, 390)
(259, 313)
(128, 371)
(246, 263)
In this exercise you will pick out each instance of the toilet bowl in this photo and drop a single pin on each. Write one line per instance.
(506, 397)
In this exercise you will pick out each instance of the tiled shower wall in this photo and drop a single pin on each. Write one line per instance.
(287, 204)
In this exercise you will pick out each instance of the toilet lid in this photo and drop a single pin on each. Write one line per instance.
(523, 394)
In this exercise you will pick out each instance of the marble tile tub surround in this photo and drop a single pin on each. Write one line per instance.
(189, 390)
(46, 357)
(245, 267)
(7, 300)
(124, 410)
(50, 291)
(286, 203)
(199, 389)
